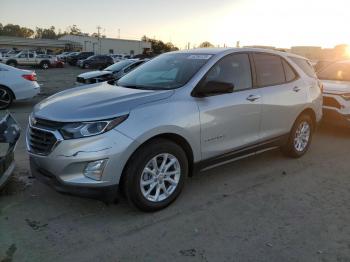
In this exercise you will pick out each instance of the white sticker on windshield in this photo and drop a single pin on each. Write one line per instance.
(205, 57)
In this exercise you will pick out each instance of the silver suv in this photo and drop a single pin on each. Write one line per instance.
(179, 113)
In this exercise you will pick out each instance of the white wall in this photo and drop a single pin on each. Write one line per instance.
(119, 46)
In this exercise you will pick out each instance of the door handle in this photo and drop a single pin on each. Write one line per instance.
(296, 89)
(252, 98)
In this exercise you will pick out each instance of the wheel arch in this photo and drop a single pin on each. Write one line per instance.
(310, 112)
(11, 60)
(176, 138)
(10, 90)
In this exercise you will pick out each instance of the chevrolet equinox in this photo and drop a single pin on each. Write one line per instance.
(179, 113)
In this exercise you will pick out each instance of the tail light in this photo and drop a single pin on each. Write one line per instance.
(30, 77)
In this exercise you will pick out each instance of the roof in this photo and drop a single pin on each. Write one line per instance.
(215, 51)
(35, 42)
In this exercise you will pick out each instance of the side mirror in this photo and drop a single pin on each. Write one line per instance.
(213, 88)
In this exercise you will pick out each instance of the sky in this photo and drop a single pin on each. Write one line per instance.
(282, 23)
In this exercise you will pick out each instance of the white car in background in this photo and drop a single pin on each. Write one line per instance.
(16, 84)
(335, 78)
(119, 57)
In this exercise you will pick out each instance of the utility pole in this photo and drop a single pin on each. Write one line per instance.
(99, 38)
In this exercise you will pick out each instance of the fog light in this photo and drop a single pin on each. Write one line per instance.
(94, 169)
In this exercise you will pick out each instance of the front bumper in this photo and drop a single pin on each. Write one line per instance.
(334, 117)
(65, 165)
(44, 176)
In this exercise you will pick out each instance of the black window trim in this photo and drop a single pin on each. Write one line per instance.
(297, 76)
(252, 75)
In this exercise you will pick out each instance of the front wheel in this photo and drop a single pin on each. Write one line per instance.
(300, 137)
(155, 175)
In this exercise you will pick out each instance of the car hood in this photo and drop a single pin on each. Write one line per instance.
(95, 102)
(335, 87)
(92, 74)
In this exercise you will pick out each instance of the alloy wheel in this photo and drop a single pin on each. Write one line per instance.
(302, 136)
(160, 177)
(5, 98)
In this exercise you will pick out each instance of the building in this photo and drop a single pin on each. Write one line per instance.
(20, 43)
(109, 45)
(310, 52)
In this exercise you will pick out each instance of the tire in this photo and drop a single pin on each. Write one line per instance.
(297, 148)
(45, 65)
(5, 95)
(12, 63)
(135, 173)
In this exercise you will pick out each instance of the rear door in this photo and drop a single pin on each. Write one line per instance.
(230, 121)
(283, 94)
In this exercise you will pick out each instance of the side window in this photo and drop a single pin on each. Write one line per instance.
(31, 55)
(23, 56)
(269, 69)
(233, 69)
(289, 72)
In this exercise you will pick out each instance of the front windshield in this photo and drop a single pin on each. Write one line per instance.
(119, 66)
(167, 71)
(336, 72)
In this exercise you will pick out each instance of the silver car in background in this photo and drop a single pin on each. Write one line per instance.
(16, 84)
(177, 114)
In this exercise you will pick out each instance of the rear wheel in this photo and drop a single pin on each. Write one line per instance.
(12, 63)
(300, 137)
(44, 65)
(155, 175)
(6, 97)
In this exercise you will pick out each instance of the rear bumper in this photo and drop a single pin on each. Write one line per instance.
(44, 176)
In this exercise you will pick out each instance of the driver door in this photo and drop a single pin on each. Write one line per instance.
(230, 121)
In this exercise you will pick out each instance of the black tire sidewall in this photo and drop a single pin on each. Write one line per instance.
(136, 165)
(11, 97)
(44, 63)
(290, 146)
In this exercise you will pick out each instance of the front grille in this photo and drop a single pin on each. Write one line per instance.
(40, 141)
(331, 102)
(47, 124)
(80, 80)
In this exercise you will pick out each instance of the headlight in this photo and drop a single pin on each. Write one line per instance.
(85, 129)
(345, 96)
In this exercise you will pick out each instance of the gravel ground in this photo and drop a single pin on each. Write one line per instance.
(263, 208)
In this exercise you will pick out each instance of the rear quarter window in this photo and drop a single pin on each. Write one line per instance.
(304, 65)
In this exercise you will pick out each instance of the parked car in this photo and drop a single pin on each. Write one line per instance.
(119, 57)
(11, 53)
(180, 112)
(322, 64)
(73, 59)
(111, 73)
(16, 84)
(336, 92)
(9, 135)
(30, 58)
(97, 61)
(65, 57)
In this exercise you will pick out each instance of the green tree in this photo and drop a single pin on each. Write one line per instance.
(158, 46)
(206, 44)
(16, 30)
